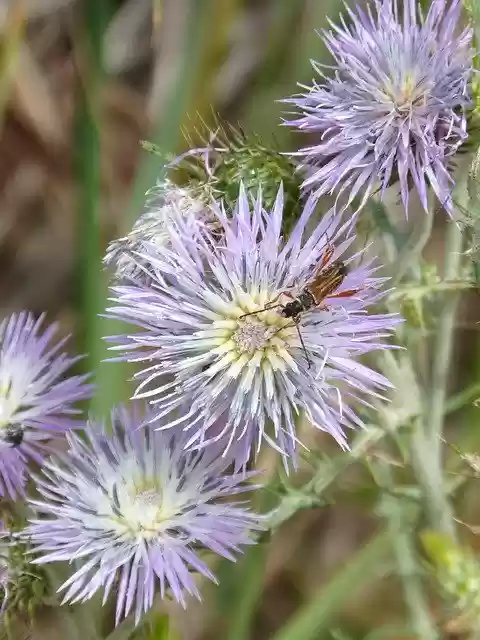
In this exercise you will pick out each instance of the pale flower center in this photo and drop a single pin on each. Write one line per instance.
(251, 336)
(148, 514)
(248, 334)
(136, 505)
(407, 95)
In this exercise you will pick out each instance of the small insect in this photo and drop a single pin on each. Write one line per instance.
(13, 435)
(324, 285)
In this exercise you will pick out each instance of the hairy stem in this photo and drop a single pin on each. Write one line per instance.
(408, 256)
(314, 618)
(444, 338)
(407, 562)
(427, 439)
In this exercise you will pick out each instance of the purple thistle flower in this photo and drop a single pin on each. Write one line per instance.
(395, 108)
(250, 373)
(36, 400)
(134, 509)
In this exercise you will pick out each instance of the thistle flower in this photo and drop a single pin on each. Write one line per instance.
(395, 108)
(134, 509)
(152, 226)
(36, 400)
(207, 359)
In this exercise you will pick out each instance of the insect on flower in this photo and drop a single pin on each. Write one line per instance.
(324, 285)
(202, 356)
(13, 435)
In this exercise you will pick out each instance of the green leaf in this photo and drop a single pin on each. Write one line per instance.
(166, 135)
(249, 573)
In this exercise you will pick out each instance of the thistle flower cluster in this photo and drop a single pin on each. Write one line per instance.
(246, 310)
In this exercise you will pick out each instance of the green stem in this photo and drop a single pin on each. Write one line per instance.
(327, 473)
(166, 135)
(88, 43)
(316, 616)
(444, 339)
(250, 573)
(410, 254)
(403, 548)
(427, 439)
(154, 618)
(407, 562)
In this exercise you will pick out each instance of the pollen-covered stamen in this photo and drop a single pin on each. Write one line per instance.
(407, 94)
(148, 498)
(143, 513)
(251, 336)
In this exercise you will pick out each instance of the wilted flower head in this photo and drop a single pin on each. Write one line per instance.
(152, 226)
(394, 110)
(23, 586)
(134, 509)
(206, 358)
(36, 399)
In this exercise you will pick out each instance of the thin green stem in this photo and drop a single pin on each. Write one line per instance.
(444, 338)
(166, 135)
(316, 615)
(409, 255)
(88, 43)
(427, 439)
(407, 561)
(155, 623)
(327, 473)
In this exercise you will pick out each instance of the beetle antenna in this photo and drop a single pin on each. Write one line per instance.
(309, 362)
(266, 308)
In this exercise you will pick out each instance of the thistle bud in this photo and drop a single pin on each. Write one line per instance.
(230, 157)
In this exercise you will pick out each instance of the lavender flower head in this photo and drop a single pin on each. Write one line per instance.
(395, 108)
(152, 225)
(133, 509)
(36, 399)
(251, 373)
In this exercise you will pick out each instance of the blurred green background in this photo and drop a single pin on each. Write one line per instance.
(81, 83)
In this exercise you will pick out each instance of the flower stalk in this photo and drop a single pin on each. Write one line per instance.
(427, 439)
(406, 558)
